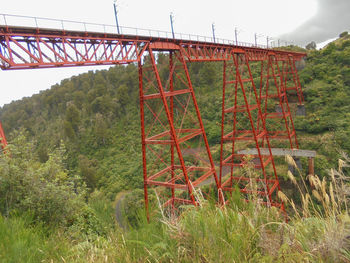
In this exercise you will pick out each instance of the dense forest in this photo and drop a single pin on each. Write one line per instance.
(75, 149)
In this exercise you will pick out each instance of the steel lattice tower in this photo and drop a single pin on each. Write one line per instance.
(172, 131)
(276, 116)
(241, 112)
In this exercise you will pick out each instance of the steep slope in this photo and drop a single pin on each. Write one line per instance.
(326, 82)
(96, 114)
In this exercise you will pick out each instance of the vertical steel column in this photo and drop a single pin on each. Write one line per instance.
(222, 119)
(143, 138)
(171, 80)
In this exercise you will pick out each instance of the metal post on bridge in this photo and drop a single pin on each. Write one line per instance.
(267, 41)
(256, 39)
(172, 24)
(213, 29)
(116, 15)
(236, 34)
(256, 36)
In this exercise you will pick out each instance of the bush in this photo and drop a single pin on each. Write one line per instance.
(344, 34)
(47, 190)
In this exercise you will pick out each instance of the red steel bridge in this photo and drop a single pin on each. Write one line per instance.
(177, 158)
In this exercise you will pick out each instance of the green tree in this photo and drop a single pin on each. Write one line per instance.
(344, 34)
(73, 116)
(46, 190)
(311, 46)
(88, 171)
(68, 129)
(123, 95)
(101, 129)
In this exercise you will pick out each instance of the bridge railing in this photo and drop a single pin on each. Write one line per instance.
(69, 25)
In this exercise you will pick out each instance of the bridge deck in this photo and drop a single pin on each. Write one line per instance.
(30, 47)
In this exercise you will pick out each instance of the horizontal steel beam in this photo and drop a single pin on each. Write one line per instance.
(280, 152)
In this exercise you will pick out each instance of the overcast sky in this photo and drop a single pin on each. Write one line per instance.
(300, 21)
(331, 19)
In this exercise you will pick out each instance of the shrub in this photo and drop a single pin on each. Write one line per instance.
(344, 34)
(47, 190)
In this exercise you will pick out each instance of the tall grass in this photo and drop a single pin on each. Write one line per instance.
(318, 230)
(21, 241)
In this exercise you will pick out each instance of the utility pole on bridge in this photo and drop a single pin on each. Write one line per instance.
(256, 36)
(236, 34)
(172, 24)
(116, 16)
(213, 29)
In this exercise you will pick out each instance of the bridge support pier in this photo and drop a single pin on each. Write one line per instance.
(279, 124)
(240, 127)
(172, 130)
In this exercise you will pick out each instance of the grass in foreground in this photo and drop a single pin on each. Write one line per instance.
(318, 231)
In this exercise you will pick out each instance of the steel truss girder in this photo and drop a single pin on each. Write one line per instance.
(30, 50)
(197, 52)
(23, 48)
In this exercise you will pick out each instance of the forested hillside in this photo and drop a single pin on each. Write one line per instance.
(77, 145)
(97, 117)
(326, 82)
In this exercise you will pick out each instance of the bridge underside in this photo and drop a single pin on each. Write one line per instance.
(255, 110)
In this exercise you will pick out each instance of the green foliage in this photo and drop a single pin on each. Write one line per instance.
(20, 241)
(95, 115)
(73, 116)
(44, 189)
(344, 34)
(326, 86)
(90, 113)
(311, 46)
(88, 171)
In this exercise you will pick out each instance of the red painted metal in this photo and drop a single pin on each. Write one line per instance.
(24, 48)
(241, 112)
(3, 141)
(276, 116)
(291, 78)
(172, 131)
